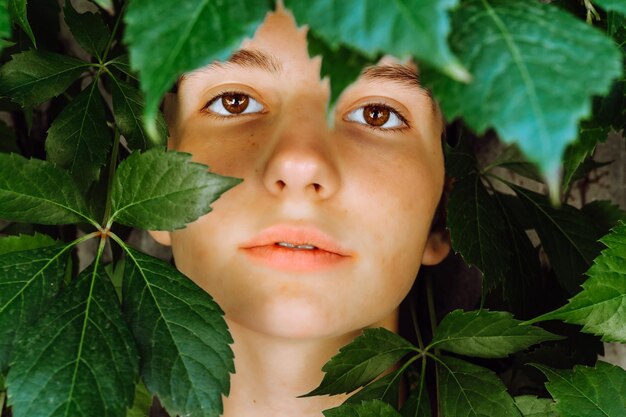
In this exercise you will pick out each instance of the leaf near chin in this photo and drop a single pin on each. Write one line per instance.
(526, 60)
(181, 334)
(164, 190)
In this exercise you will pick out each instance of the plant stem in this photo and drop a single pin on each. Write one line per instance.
(418, 334)
(113, 33)
(422, 382)
(112, 165)
(430, 299)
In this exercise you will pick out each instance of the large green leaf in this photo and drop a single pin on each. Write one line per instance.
(400, 27)
(385, 388)
(36, 191)
(468, 390)
(88, 29)
(79, 139)
(25, 242)
(28, 281)
(587, 392)
(80, 356)
(531, 406)
(616, 5)
(17, 11)
(601, 306)
(160, 190)
(418, 403)
(166, 38)
(128, 108)
(362, 360)
(567, 237)
(477, 230)
(342, 65)
(522, 283)
(181, 334)
(486, 334)
(371, 408)
(526, 59)
(33, 77)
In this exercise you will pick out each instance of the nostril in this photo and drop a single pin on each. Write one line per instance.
(281, 184)
(317, 187)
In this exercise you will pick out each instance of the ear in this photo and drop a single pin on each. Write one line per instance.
(437, 248)
(162, 237)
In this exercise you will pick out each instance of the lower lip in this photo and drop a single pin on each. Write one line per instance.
(295, 260)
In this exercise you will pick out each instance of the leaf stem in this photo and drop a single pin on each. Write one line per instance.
(113, 33)
(421, 386)
(418, 333)
(430, 299)
(112, 165)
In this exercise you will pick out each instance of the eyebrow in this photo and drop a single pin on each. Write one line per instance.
(394, 73)
(253, 59)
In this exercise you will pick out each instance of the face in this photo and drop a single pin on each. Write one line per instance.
(328, 229)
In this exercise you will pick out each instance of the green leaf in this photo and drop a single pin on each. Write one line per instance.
(486, 334)
(371, 408)
(33, 77)
(418, 404)
(386, 389)
(587, 392)
(79, 356)
(121, 63)
(36, 191)
(511, 158)
(401, 28)
(341, 64)
(567, 237)
(181, 334)
(17, 11)
(5, 23)
(604, 215)
(601, 306)
(530, 97)
(477, 230)
(88, 29)
(362, 360)
(160, 190)
(531, 406)
(468, 390)
(615, 5)
(522, 285)
(29, 280)
(460, 159)
(25, 242)
(142, 403)
(128, 108)
(579, 151)
(79, 138)
(167, 38)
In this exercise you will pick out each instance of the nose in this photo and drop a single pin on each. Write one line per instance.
(302, 161)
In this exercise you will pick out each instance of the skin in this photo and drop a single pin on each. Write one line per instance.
(373, 190)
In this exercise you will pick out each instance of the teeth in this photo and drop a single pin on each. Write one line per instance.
(292, 246)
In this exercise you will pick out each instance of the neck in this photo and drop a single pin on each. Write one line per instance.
(271, 372)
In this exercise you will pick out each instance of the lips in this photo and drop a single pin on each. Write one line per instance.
(298, 249)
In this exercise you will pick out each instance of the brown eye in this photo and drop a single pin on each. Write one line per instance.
(376, 115)
(379, 116)
(231, 104)
(235, 103)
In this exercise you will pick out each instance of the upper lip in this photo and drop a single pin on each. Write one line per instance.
(296, 235)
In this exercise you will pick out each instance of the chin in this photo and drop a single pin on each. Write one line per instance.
(300, 319)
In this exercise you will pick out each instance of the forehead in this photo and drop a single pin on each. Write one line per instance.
(279, 48)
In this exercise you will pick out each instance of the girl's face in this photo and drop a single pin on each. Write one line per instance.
(328, 229)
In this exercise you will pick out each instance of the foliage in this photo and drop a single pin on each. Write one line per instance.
(89, 163)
